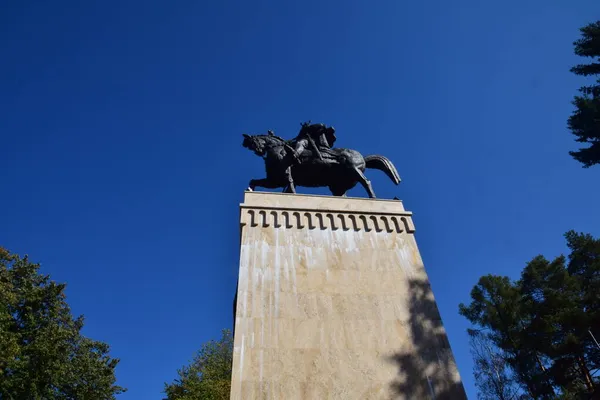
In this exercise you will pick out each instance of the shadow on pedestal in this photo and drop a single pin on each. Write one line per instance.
(429, 371)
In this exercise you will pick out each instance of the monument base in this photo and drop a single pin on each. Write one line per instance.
(333, 302)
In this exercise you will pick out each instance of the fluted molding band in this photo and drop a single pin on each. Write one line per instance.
(312, 219)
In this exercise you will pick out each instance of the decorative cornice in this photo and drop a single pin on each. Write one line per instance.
(334, 220)
(289, 211)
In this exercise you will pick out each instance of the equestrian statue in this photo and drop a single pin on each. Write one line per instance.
(310, 160)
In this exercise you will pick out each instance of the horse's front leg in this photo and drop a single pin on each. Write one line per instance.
(290, 188)
(265, 183)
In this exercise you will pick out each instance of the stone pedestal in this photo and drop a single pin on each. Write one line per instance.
(333, 302)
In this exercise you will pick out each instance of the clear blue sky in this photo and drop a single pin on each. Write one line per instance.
(122, 169)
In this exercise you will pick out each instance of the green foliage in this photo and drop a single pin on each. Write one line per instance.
(208, 377)
(496, 308)
(42, 352)
(540, 324)
(584, 123)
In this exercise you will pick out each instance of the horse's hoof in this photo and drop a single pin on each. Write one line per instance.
(250, 189)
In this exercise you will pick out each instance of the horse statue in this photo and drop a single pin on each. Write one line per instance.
(337, 168)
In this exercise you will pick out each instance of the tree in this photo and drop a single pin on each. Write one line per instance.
(497, 310)
(42, 352)
(584, 266)
(541, 323)
(584, 123)
(493, 378)
(556, 322)
(208, 377)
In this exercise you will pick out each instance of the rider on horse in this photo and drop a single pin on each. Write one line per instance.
(314, 137)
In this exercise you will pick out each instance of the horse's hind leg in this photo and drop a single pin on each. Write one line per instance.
(365, 182)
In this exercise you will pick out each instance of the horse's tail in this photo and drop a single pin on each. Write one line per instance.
(383, 164)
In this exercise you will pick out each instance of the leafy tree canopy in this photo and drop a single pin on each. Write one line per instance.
(208, 377)
(43, 354)
(584, 123)
(542, 324)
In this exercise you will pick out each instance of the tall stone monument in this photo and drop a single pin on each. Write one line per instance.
(333, 302)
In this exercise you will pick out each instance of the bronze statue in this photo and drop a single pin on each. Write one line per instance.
(310, 160)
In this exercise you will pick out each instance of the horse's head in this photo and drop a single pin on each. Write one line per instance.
(254, 143)
(260, 144)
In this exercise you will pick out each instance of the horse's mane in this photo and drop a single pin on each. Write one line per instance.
(282, 140)
(278, 137)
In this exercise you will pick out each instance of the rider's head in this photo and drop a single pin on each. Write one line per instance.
(316, 128)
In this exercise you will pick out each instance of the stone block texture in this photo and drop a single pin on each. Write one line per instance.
(333, 302)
